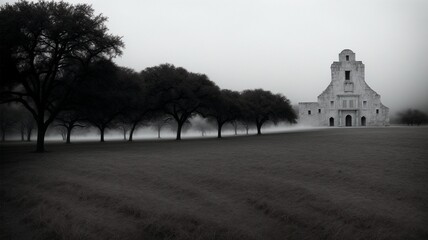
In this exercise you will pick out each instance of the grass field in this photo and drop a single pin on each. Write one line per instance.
(325, 184)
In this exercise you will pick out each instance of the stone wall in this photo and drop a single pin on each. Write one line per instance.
(309, 114)
(347, 96)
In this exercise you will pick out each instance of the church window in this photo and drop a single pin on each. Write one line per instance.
(364, 103)
(347, 75)
(377, 110)
(344, 103)
(309, 112)
(319, 110)
(351, 103)
(331, 103)
(347, 57)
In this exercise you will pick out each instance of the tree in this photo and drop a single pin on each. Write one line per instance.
(235, 126)
(180, 94)
(201, 124)
(124, 127)
(224, 108)
(246, 124)
(262, 106)
(26, 124)
(8, 119)
(68, 120)
(413, 117)
(63, 132)
(139, 106)
(159, 123)
(45, 47)
(103, 96)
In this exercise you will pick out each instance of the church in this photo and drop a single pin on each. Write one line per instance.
(347, 101)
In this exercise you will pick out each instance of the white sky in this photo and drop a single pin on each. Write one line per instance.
(283, 46)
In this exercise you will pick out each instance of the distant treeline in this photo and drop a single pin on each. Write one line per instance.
(55, 61)
(412, 117)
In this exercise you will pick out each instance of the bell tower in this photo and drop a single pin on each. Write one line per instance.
(347, 55)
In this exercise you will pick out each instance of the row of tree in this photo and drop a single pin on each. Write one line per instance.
(114, 97)
(55, 60)
(16, 119)
(16, 123)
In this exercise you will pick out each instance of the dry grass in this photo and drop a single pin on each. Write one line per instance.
(324, 184)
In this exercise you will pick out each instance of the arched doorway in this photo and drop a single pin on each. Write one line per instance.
(331, 122)
(363, 121)
(348, 120)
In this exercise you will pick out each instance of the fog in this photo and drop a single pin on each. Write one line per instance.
(197, 127)
(283, 46)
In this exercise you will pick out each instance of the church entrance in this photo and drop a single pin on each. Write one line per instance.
(331, 122)
(363, 121)
(348, 121)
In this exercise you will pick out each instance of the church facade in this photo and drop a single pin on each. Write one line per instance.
(347, 101)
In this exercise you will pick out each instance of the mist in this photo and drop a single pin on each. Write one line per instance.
(196, 119)
(197, 127)
(282, 46)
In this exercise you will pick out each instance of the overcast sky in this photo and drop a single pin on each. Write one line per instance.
(283, 46)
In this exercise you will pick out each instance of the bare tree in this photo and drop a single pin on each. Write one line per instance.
(63, 132)
(8, 120)
(235, 125)
(124, 128)
(26, 125)
(201, 125)
(246, 124)
(69, 120)
(161, 122)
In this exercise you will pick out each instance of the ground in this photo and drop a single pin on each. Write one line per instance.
(358, 183)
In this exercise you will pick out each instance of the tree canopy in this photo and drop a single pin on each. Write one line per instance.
(262, 106)
(56, 61)
(103, 96)
(45, 47)
(225, 107)
(180, 93)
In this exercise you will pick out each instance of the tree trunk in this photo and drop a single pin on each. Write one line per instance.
(3, 136)
(41, 130)
(246, 129)
(131, 133)
(22, 135)
(69, 134)
(124, 134)
(180, 125)
(102, 134)
(259, 129)
(29, 134)
(159, 131)
(219, 126)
